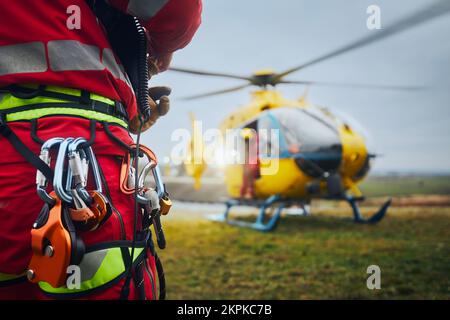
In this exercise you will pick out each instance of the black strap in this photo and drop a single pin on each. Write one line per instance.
(125, 244)
(6, 283)
(161, 278)
(92, 131)
(85, 97)
(114, 138)
(128, 263)
(34, 135)
(21, 148)
(139, 280)
(90, 142)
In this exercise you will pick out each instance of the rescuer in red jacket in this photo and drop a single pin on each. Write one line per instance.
(61, 77)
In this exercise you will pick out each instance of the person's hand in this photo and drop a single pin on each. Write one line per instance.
(135, 122)
(157, 109)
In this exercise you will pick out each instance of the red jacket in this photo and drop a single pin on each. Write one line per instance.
(40, 42)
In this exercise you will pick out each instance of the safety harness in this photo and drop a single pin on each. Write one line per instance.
(26, 103)
(129, 42)
(71, 207)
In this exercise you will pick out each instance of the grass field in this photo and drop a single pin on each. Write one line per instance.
(317, 257)
(405, 185)
(323, 256)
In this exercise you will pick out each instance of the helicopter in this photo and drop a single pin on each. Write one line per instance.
(318, 154)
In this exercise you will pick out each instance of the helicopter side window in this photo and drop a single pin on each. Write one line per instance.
(310, 138)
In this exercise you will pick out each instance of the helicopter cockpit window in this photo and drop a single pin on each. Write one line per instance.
(308, 136)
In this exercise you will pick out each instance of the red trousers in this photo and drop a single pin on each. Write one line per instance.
(20, 205)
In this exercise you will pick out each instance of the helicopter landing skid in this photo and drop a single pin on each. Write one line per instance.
(358, 218)
(259, 224)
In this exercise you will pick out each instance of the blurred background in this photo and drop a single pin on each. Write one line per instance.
(322, 256)
(410, 129)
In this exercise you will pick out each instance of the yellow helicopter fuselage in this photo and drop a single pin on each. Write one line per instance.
(288, 179)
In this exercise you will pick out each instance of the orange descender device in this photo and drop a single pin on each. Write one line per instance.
(55, 245)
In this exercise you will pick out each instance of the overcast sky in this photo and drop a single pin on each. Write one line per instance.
(410, 129)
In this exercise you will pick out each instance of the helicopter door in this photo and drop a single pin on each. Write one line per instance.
(306, 136)
(251, 160)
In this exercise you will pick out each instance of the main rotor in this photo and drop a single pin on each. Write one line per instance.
(265, 78)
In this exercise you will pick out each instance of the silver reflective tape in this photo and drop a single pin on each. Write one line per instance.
(109, 61)
(70, 55)
(91, 263)
(125, 76)
(145, 9)
(117, 70)
(22, 58)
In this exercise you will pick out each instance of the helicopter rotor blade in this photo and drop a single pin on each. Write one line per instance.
(214, 93)
(211, 74)
(354, 85)
(433, 11)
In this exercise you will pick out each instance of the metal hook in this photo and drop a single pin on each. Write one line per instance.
(150, 165)
(75, 164)
(59, 170)
(95, 169)
(41, 181)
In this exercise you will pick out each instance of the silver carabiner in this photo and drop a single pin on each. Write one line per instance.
(41, 180)
(159, 185)
(95, 169)
(149, 166)
(160, 188)
(154, 168)
(141, 198)
(59, 170)
(77, 168)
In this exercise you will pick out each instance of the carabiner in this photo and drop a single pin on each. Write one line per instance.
(95, 169)
(78, 169)
(160, 188)
(154, 168)
(76, 166)
(41, 181)
(59, 170)
(149, 166)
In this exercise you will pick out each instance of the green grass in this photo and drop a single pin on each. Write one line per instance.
(405, 185)
(318, 257)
